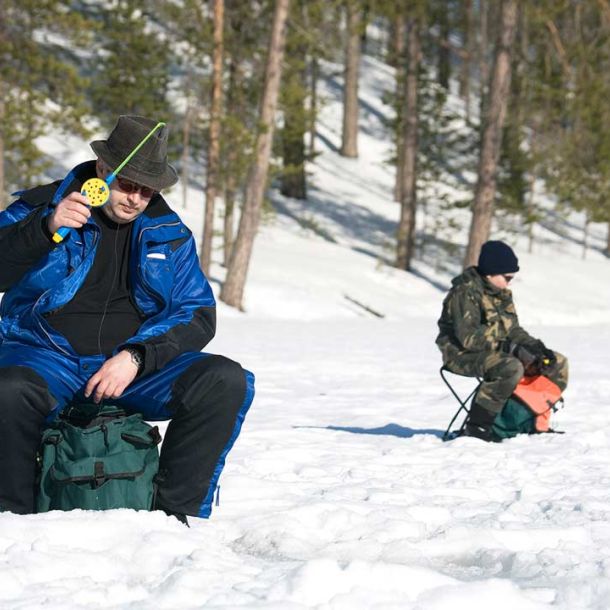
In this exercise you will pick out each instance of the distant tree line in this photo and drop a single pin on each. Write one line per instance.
(239, 81)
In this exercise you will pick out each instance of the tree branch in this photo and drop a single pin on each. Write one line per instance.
(561, 52)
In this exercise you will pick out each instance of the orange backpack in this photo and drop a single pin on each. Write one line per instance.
(540, 394)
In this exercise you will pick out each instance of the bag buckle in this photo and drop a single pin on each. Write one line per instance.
(99, 477)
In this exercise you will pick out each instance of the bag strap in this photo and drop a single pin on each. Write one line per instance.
(153, 434)
(98, 478)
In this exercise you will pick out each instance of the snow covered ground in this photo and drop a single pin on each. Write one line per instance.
(340, 494)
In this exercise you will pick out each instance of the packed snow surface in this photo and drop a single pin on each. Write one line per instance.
(339, 493)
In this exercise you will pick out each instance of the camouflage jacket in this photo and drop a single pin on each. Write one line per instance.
(476, 317)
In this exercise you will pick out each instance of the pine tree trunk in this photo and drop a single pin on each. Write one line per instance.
(400, 65)
(233, 288)
(349, 145)
(408, 204)
(211, 188)
(482, 211)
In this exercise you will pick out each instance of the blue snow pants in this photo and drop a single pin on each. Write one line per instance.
(205, 396)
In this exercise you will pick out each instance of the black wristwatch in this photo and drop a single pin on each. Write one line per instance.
(136, 357)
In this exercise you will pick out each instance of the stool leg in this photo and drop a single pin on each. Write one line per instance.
(448, 435)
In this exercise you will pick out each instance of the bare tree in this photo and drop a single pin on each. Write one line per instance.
(233, 288)
(482, 210)
(349, 145)
(408, 192)
(211, 188)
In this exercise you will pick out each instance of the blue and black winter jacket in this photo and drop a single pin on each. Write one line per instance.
(38, 277)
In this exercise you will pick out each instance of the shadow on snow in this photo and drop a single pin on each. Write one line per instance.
(387, 430)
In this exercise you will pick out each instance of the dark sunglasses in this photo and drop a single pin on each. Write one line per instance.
(127, 186)
(508, 278)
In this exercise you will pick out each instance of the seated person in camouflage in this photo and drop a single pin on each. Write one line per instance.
(480, 336)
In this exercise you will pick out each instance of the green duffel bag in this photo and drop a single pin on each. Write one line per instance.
(515, 418)
(97, 459)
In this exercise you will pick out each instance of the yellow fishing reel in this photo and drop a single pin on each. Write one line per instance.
(96, 191)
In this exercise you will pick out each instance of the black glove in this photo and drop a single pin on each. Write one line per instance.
(545, 355)
(530, 361)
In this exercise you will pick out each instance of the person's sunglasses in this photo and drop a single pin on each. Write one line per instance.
(508, 278)
(127, 186)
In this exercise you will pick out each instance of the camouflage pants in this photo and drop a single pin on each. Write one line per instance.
(501, 374)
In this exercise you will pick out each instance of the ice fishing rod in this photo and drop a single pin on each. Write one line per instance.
(96, 190)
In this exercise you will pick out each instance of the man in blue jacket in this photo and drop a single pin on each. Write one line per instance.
(119, 311)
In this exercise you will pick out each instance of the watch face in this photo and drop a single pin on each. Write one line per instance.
(136, 357)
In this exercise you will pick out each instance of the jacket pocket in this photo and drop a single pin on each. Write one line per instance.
(158, 271)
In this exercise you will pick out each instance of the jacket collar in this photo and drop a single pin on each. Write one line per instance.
(471, 277)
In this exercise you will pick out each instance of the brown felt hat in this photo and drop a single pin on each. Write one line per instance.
(149, 166)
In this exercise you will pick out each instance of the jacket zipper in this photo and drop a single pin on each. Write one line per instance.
(41, 316)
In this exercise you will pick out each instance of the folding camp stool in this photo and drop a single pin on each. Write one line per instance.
(463, 402)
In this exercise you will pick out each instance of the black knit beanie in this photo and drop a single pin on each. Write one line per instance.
(497, 257)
